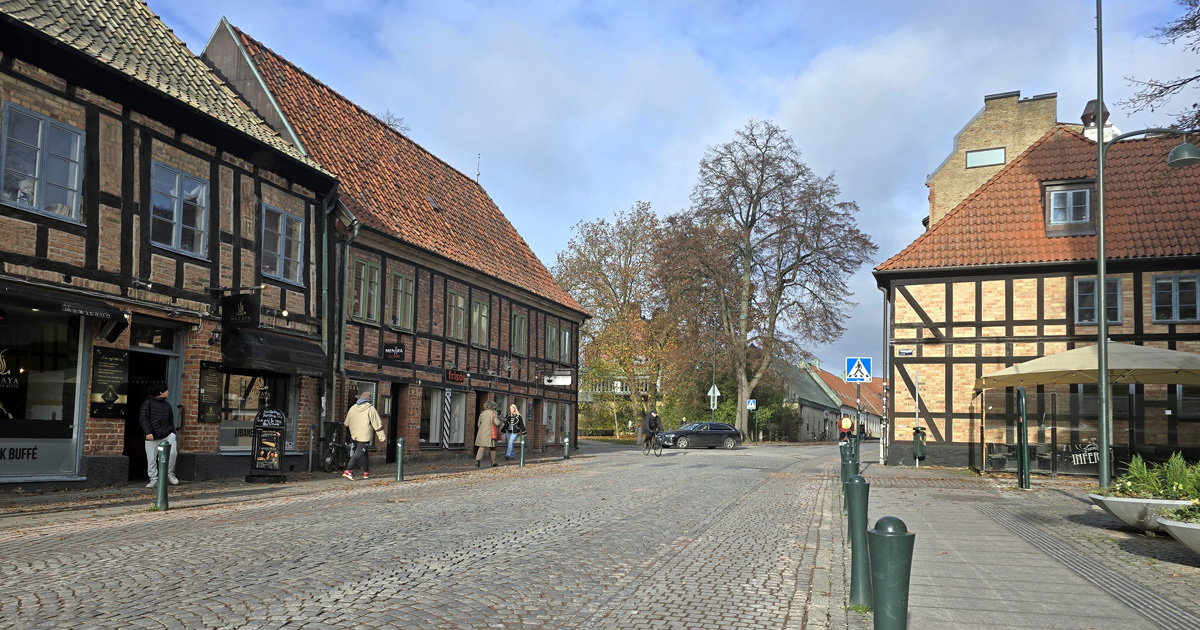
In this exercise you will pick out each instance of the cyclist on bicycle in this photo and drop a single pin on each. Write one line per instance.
(651, 425)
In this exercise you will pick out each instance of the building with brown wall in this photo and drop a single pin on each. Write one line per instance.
(138, 191)
(444, 305)
(1010, 275)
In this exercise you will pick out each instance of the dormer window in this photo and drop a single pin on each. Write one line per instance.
(1067, 208)
(1070, 206)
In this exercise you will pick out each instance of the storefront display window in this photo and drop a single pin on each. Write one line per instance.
(39, 392)
(433, 401)
(551, 421)
(242, 401)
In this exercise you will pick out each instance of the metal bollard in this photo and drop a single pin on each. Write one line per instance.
(891, 549)
(400, 459)
(857, 491)
(522, 449)
(849, 469)
(164, 456)
(566, 445)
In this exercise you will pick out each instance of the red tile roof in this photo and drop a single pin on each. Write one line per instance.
(846, 392)
(395, 186)
(1150, 209)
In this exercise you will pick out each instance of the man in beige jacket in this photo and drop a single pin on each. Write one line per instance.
(362, 421)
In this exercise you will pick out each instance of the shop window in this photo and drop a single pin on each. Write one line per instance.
(282, 245)
(40, 163)
(1175, 298)
(564, 417)
(179, 211)
(550, 421)
(551, 341)
(39, 387)
(357, 386)
(480, 323)
(519, 334)
(244, 398)
(433, 402)
(365, 297)
(403, 304)
(456, 315)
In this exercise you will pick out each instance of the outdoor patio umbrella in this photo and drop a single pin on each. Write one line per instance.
(1126, 364)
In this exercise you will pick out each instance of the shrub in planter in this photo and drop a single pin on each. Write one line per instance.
(1174, 480)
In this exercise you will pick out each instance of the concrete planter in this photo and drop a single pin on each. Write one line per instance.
(1139, 513)
(1186, 533)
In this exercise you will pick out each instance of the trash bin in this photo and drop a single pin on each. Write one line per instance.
(919, 443)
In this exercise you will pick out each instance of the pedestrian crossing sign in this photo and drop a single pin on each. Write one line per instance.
(858, 369)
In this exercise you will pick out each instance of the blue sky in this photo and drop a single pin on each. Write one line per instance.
(575, 110)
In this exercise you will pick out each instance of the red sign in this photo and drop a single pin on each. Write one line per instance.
(455, 376)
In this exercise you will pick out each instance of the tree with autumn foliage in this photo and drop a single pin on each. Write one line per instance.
(764, 253)
(608, 267)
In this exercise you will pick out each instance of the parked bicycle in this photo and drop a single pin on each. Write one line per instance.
(652, 443)
(337, 452)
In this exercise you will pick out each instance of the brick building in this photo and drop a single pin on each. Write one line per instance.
(444, 304)
(1010, 275)
(139, 192)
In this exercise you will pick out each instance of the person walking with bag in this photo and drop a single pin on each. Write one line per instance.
(514, 425)
(487, 432)
(362, 421)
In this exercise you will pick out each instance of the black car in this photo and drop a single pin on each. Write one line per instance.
(709, 434)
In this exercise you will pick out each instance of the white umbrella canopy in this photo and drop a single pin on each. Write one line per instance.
(1126, 364)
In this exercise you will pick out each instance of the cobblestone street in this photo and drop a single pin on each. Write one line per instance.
(693, 539)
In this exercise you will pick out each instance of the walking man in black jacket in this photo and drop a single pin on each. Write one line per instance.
(158, 423)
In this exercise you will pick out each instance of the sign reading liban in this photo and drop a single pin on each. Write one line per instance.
(858, 369)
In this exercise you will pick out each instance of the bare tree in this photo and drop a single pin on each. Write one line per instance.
(608, 267)
(395, 121)
(767, 248)
(1157, 93)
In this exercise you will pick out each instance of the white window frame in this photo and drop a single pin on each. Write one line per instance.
(281, 243)
(1113, 300)
(364, 285)
(177, 200)
(1176, 281)
(1069, 195)
(986, 157)
(37, 203)
(402, 301)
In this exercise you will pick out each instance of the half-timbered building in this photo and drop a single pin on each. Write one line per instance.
(444, 304)
(138, 194)
(1010, 274)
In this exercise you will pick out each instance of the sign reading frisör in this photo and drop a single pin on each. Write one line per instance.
(270, 426)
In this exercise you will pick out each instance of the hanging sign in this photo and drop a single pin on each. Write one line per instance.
(393, 352)
(239, 310)
(110, 376)
(455, 376)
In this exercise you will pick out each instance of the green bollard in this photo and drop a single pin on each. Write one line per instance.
(891, 549)
(400, 459)
(164, 456)
(566, 445)
(522, 449)
(849, 469)
(857, 491)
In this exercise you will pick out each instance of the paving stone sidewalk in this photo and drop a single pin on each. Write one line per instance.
(990, 555)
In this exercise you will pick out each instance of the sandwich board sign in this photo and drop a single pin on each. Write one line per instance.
(858, 369)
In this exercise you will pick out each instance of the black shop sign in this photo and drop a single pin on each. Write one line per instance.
(270, 427)
(110, 382)
(455, 376)
(393, 352)
(239, 310)
(212, 385)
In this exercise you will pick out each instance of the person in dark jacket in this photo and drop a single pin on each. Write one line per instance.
(158, 423)
(514, 425)
(650, 425)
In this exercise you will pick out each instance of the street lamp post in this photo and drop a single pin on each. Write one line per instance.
(1183, 155)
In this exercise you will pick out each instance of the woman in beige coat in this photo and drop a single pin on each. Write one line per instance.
(483, 432)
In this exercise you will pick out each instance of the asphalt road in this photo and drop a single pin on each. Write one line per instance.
(608, 539)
